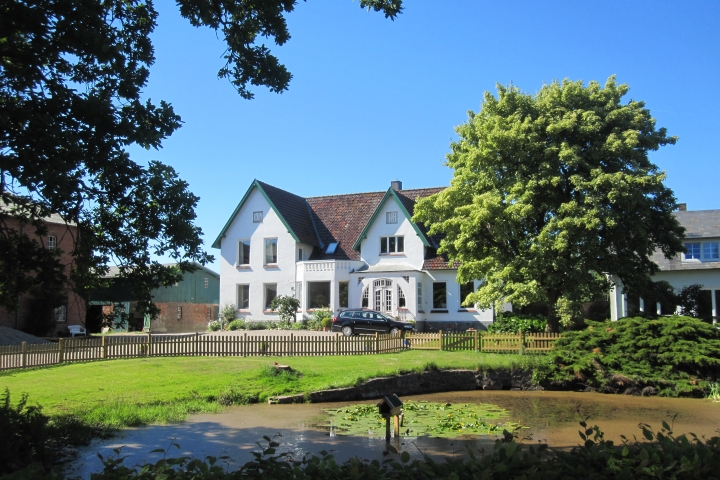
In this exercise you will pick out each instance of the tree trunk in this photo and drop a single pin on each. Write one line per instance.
(553, 319)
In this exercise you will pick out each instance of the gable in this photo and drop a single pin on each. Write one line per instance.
(292, 210)
(405, 206)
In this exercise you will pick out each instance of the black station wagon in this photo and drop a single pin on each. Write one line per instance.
(356, 321)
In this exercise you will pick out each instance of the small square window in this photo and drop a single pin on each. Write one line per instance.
(692, 251)
(332, 246)
(391, 217)
(257, 217)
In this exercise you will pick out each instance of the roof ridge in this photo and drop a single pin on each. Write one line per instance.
(377, 191)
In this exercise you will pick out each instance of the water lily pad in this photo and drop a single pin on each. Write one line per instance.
(430, 419)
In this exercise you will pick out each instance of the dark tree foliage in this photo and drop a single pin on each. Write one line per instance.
(71, 80)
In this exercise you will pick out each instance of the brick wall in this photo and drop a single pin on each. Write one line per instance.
(194, 318)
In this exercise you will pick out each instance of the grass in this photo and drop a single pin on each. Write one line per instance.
(121, 393)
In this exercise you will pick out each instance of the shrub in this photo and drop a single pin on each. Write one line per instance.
(227, 312)
(237, 324)
(322, 317)
(254, 325)
(24, 434)
(672, 354)
(214, 325)
(510, 322)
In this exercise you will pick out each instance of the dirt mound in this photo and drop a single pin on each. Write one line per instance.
(9, 336)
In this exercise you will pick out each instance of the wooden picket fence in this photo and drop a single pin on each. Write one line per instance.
(148, 345)
(483, 341)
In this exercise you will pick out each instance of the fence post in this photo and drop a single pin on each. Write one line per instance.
(149, 345)
(440, 337)
(245, 344)
(197, 343)
(476, 337)
(377, 342)
(103, 347)
(23, 358)
(522, 342)
(292, 344)
(61, 352)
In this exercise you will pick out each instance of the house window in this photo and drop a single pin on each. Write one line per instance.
(391, 217)
(392, 245)
(365, 297)
(205, 282)
(401, 297)
(439, 296)
(243, 252)
(318, 294)
(300, 255)
(179, 313)
(60, 313)
(465, 290)
(270, 251)
(419, 297)
(344, 290)
(702, 251)
(270, 294)
(52, 242)
(257, 217)
(243, 297)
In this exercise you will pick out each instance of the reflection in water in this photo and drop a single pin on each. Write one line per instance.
(550, 416)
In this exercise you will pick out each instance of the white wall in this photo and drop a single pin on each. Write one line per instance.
(454, 307)
(283, 273)
(370, 246)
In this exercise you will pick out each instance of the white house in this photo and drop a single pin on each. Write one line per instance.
(354, 250)
(700, 265)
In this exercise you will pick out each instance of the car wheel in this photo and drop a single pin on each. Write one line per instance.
(394, 331)
(347, 331)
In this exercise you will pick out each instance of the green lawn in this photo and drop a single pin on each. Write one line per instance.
(155, 390)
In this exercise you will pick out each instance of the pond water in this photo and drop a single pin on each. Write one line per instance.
(550, 417)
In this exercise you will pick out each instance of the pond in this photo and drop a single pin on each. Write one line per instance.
(550, 417)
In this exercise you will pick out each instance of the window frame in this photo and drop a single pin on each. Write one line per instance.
(257, 217)
(266, 302)
(344, 294)
(241, 254)
(464, 294)
(52, 242)
(397, 242)
(242, 301)
(420, 297)
(268, 242)
(391, 218)
(438, 308)
(701, 251)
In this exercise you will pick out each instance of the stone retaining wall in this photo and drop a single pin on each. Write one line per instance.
(418, 383)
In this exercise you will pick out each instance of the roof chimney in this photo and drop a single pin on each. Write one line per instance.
(682, 207)
(396, 185)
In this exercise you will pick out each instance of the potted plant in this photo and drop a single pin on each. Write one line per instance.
(326, 323)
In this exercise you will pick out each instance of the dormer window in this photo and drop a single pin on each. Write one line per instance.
(392, 245)
(332, 246)
(702, 251)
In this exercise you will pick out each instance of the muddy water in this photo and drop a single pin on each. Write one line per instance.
(550, 417)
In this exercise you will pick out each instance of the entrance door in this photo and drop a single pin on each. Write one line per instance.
(383, 295)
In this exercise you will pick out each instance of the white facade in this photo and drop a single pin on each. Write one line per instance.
(388, 276)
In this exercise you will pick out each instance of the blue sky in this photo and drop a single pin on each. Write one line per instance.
(374, 100)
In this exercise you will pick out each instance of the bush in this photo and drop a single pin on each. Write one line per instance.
(215, 325)
(510, 322)
(238, 324)
(24, 435)
(659, 455)
(322, 317)
(251, 325)
(674, 355)
(227, 312)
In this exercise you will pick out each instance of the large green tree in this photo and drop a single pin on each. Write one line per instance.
(553, 191)
(71, 79)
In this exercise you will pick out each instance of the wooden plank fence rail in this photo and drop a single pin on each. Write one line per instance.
(197, 344)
